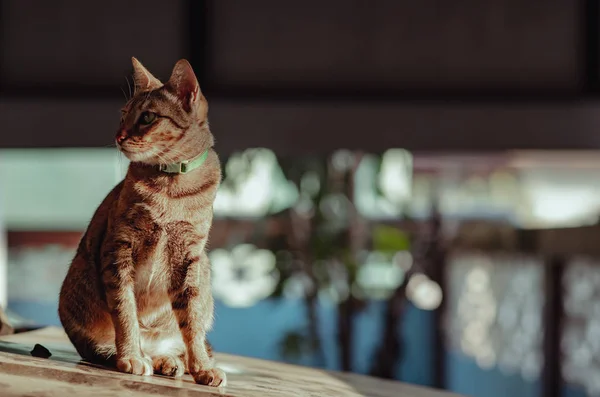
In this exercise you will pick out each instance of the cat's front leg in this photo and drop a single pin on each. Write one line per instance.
(192, 303)
(118, 279)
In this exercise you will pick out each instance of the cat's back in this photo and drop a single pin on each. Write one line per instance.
(94, 235)
(80, 287)
(85, 261)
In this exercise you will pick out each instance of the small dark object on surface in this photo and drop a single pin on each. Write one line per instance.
(40, 351)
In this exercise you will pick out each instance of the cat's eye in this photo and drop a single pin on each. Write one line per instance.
(147, 118)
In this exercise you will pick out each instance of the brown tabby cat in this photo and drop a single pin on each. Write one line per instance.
(137, 294)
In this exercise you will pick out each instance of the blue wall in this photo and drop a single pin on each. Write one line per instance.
(465, 377)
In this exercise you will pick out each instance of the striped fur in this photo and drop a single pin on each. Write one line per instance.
(137, 294)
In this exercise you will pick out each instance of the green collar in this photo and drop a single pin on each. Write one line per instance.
(184, 166)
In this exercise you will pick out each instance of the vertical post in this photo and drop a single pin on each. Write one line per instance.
(356, 238)
(553, 318)
(198, 34)
(437, 273)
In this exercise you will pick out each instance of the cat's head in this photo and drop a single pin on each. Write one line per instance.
(164, 123)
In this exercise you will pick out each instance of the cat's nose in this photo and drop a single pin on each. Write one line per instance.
(121, 137)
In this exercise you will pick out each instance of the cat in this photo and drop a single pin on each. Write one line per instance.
(137, 294)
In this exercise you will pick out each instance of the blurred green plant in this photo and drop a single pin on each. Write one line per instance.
(325, 249)
(389, 239)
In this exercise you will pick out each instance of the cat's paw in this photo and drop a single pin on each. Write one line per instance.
(137, 365)
(211, 377)
(168, 366)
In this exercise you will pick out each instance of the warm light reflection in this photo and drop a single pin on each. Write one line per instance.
(243, 276)
(343, 160)
(423, 292)
(338, 291)
(298, 286)
(556, 206)
(379, 277)
(254, 186)
(580, 342)
(395, 176)
(383, 186)
(495, 311)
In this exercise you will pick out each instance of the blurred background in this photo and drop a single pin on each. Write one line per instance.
(411, 188)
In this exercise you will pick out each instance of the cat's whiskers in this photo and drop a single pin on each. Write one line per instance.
(175, 153)
(161, 158)
(129, 87)
(120, 159)
(148, 95)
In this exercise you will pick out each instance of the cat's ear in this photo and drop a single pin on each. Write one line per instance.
(184, 85)
(143, 79)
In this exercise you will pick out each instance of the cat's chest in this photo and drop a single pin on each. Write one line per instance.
(165, 212)
(155, 253)
(152, 268)
(164, 228)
